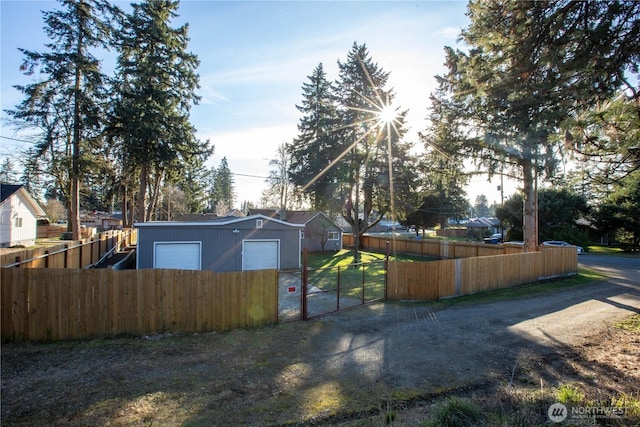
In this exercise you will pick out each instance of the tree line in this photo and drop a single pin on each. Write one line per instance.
(125, 137)
(540, 86)
(538, 89)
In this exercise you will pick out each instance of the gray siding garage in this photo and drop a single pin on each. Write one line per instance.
(227, 244)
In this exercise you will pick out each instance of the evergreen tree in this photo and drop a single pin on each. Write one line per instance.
(155, 89)
(193, 186)
(222, 195)
(443, 177)
(481, 207)
(317, 143)
(370, 132)
(605, 139)
(530, 66)
(619, 215)
(510, 215)
(7, 174)
(67, 103)
(559, 212)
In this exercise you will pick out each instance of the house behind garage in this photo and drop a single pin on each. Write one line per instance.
(320, 232)
(254, 242)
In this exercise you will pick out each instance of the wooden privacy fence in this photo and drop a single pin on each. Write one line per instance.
(55, 304)
(437, 279)
(444, 249)
(73, 254)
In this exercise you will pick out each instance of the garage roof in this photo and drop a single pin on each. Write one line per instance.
(214, 222)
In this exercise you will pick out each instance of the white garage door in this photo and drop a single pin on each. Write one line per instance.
(260, 254)
(178, 255)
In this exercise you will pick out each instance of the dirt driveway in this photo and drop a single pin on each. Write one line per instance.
(317, 372)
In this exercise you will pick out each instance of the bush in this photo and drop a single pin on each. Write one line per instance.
(456, 412)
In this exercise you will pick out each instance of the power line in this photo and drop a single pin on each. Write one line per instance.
(16, 139)
(249, 176)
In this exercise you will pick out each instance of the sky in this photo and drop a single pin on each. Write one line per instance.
(255, 57)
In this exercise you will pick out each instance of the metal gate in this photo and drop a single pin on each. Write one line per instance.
(327, 290)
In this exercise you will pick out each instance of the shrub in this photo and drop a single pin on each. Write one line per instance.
(456, 412)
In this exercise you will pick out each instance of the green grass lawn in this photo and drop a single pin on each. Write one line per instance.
(327, 270)
(609, 250)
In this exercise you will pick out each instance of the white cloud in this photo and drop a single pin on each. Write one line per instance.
(451, 33)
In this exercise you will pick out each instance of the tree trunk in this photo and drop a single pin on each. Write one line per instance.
(153, 203)
(529, 226)
(125, 217)
(75, 156)
(142, 194)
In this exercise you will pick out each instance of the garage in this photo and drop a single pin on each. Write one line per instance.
(260, 254)
(224, 244)
(178, 255)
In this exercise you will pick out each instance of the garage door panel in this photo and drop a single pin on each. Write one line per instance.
(177, 255)
(261, 254)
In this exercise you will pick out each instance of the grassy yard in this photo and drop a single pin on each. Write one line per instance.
(328, 269)
(609, 250)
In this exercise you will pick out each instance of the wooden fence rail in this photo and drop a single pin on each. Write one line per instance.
(56, 304)
(73, 254)
(438, 279)
(444, 249)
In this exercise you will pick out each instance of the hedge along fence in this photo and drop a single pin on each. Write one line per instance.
(74, 254)
(438, 279)
(444, 249)
(57, 304)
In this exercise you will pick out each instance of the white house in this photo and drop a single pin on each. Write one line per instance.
(19, 214)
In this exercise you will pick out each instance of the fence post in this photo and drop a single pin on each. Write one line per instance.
(46, 259)
(364, 279)
(338, 291)
(386, 269)
(304, 285)
(17, 262)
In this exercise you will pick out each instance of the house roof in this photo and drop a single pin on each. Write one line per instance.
(483, 222)
(195, 217)
(8, 190)
(294, 217)
(214, 222)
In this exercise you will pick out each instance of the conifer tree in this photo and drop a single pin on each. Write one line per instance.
(156, 82)
(371, 135)
(530, 66)
(66, 104)
(317, 143)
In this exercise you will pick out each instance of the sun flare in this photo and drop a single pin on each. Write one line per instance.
(387, 114)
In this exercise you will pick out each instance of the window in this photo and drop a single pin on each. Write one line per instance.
(334, 235)
(18, 222)
(259, 223)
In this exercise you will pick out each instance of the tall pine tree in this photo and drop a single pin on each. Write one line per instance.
(531, 65)
(67, 103)
(156, 83)
(371, 133)
(317, 143)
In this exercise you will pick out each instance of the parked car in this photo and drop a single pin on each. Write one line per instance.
(494, 239)
(580, 249)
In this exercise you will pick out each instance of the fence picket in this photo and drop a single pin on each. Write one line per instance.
(53, 304)
(419, 280)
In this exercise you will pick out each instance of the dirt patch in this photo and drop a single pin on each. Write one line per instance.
(350, 368)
